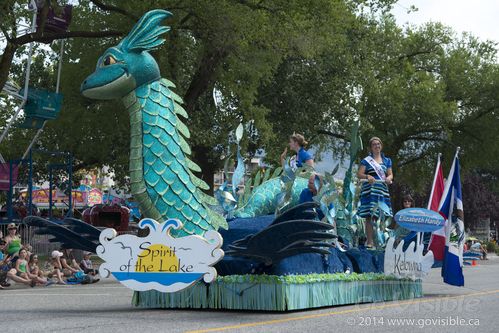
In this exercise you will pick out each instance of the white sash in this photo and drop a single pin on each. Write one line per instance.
(293, 163)
(379, 171)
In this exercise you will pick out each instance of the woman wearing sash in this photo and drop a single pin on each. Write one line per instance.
(297, 143)
(376, 168)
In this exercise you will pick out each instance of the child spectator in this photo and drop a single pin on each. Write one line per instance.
(21, 264)
(19, 273)
(4, 265)
(86, 264)
(22, 269)
(29, 250)
(2, 248)
(34, 272)
(57, 267)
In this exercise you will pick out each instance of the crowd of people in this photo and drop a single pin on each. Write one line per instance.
(19, 264)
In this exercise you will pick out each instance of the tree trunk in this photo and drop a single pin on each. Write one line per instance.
(208, 168)
(204, 77)
(6, 62)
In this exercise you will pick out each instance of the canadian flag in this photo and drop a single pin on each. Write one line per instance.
(437, 240)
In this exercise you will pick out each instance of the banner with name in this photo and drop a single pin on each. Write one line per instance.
(419, 219)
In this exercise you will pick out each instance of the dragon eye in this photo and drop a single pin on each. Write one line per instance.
(109, 60)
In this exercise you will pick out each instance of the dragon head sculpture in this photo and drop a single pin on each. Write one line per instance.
(128, 65)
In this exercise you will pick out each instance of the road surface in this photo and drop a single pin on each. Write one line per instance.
(106, 307)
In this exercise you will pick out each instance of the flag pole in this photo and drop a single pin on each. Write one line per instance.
(430, 199)
(434, 180)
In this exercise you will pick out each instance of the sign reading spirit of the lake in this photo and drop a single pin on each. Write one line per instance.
(159, 261)
(419, 219)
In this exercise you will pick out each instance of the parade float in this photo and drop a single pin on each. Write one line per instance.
(257, 250)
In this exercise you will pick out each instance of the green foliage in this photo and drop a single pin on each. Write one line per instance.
(423, 90)
(491, 247)
(305, 278)
(478, 200)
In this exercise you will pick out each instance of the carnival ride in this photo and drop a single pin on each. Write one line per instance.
(108, 216)
(279, 255)
(37, 106)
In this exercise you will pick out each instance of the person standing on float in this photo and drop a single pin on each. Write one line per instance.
(298, 143)
(376, 168)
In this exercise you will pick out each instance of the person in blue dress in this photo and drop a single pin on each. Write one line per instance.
(297, 143)
(308, 193)
(376, 168)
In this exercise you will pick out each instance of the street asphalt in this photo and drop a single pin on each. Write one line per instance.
(106, 307)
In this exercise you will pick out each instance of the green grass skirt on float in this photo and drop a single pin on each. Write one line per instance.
(283, 293)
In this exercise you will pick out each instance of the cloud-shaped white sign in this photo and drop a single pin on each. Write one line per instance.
(159, 261)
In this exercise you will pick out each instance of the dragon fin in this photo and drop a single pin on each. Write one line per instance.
(145, 35)
(207, 199)
(192, 166)
(183, 129)
(180, 110)
(184, 145)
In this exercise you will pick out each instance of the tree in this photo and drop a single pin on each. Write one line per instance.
(423, 90)
(478, 200)
(233, 45)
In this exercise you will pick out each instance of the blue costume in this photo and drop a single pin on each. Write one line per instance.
(302, 157)
(306, 196)
(371, 194)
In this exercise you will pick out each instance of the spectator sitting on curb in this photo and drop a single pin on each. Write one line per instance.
(477, 247)
(86, 264)
(18, 274)
(29, 250)
(68, 261)
(22, 269)
(34, 271)
(13, 240)
(57, 267)
(4, 265)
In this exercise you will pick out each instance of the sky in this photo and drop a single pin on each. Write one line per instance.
(476, 16)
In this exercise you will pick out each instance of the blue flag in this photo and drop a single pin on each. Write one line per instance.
(451, 208)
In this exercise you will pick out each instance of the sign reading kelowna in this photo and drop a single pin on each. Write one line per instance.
(410, 263)
(419, 219)
(159, 261)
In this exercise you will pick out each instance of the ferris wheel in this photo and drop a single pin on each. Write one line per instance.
(37, 105)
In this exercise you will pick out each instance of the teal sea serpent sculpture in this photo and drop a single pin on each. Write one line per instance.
(161, 173)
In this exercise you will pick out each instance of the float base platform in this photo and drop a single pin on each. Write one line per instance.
(283, 293)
